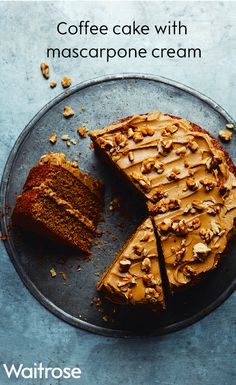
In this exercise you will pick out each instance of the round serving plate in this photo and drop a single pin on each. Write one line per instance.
(70, 295)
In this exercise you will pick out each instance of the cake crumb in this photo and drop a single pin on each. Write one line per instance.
(53, 84)
(66, 82)
(64, 276)
(68, 112)
(53, 272)
(53, 138)
(45, 70)
(225, 135)
(82, 132)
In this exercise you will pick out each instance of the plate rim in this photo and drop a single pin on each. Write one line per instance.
(32, 288)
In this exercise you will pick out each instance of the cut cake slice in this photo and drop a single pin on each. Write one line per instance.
(61, 202)
(134, 276)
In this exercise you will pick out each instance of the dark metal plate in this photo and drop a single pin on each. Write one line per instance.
(97, 103)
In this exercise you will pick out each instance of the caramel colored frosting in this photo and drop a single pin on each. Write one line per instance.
(134, 277)
(187, 181)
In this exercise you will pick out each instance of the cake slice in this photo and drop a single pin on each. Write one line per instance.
(134, 276)
(61, 202)
(188, 182)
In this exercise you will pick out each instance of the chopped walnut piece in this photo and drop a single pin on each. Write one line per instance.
(82, 132)
(192, 184)
(198, 205)
(230, 125)
(53, 272)
(165, 225)
(53, 84)
(194, 224)
(146, 264)
(66, 82)
(166, 146)
(68, 112)
(53, 138)
(193, 146)
(138, 249)
(208, 183)
(45, 70)
(179, 253)
(120, 139)
(131, 156)
(152, 295)
(225, 135)
(137, 137)
(143, 180)
(212, 208)
(173, 128)
(145, 236)
(181, 150)
(74, 141)
(159, 166)
(158, 194)
(200, 251)
(206, 234)
(65, 137)
(215, 227)
(173, 175)
(104, 143)
(150, 281)
(180, 227)
(124, 265)
(174, 204)
(144, 130)
(188, 271)
(147, 165)
(150, 131)
(130, 133)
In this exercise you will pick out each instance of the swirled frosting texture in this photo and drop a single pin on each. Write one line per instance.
(188, 182)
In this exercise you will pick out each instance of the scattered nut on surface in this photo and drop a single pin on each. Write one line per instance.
(68, 112)
(82, 132)
(225, 135)
(53, 138)
(74, 141)
(66, 82)
(192, 184)
(230, 125)
(65, 137)
(45, 70)
(53, 272)
(53, 84)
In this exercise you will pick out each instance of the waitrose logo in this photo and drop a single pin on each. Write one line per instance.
(38, 371)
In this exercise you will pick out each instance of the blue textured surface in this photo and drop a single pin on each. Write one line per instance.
(201, 354)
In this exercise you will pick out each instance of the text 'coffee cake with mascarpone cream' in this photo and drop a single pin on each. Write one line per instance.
(188, 182)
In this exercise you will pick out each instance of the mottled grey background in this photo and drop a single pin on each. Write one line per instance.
(201, 354)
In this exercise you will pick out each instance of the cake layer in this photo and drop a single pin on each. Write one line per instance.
(134, 277)
(41, 211)
(70, 183)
